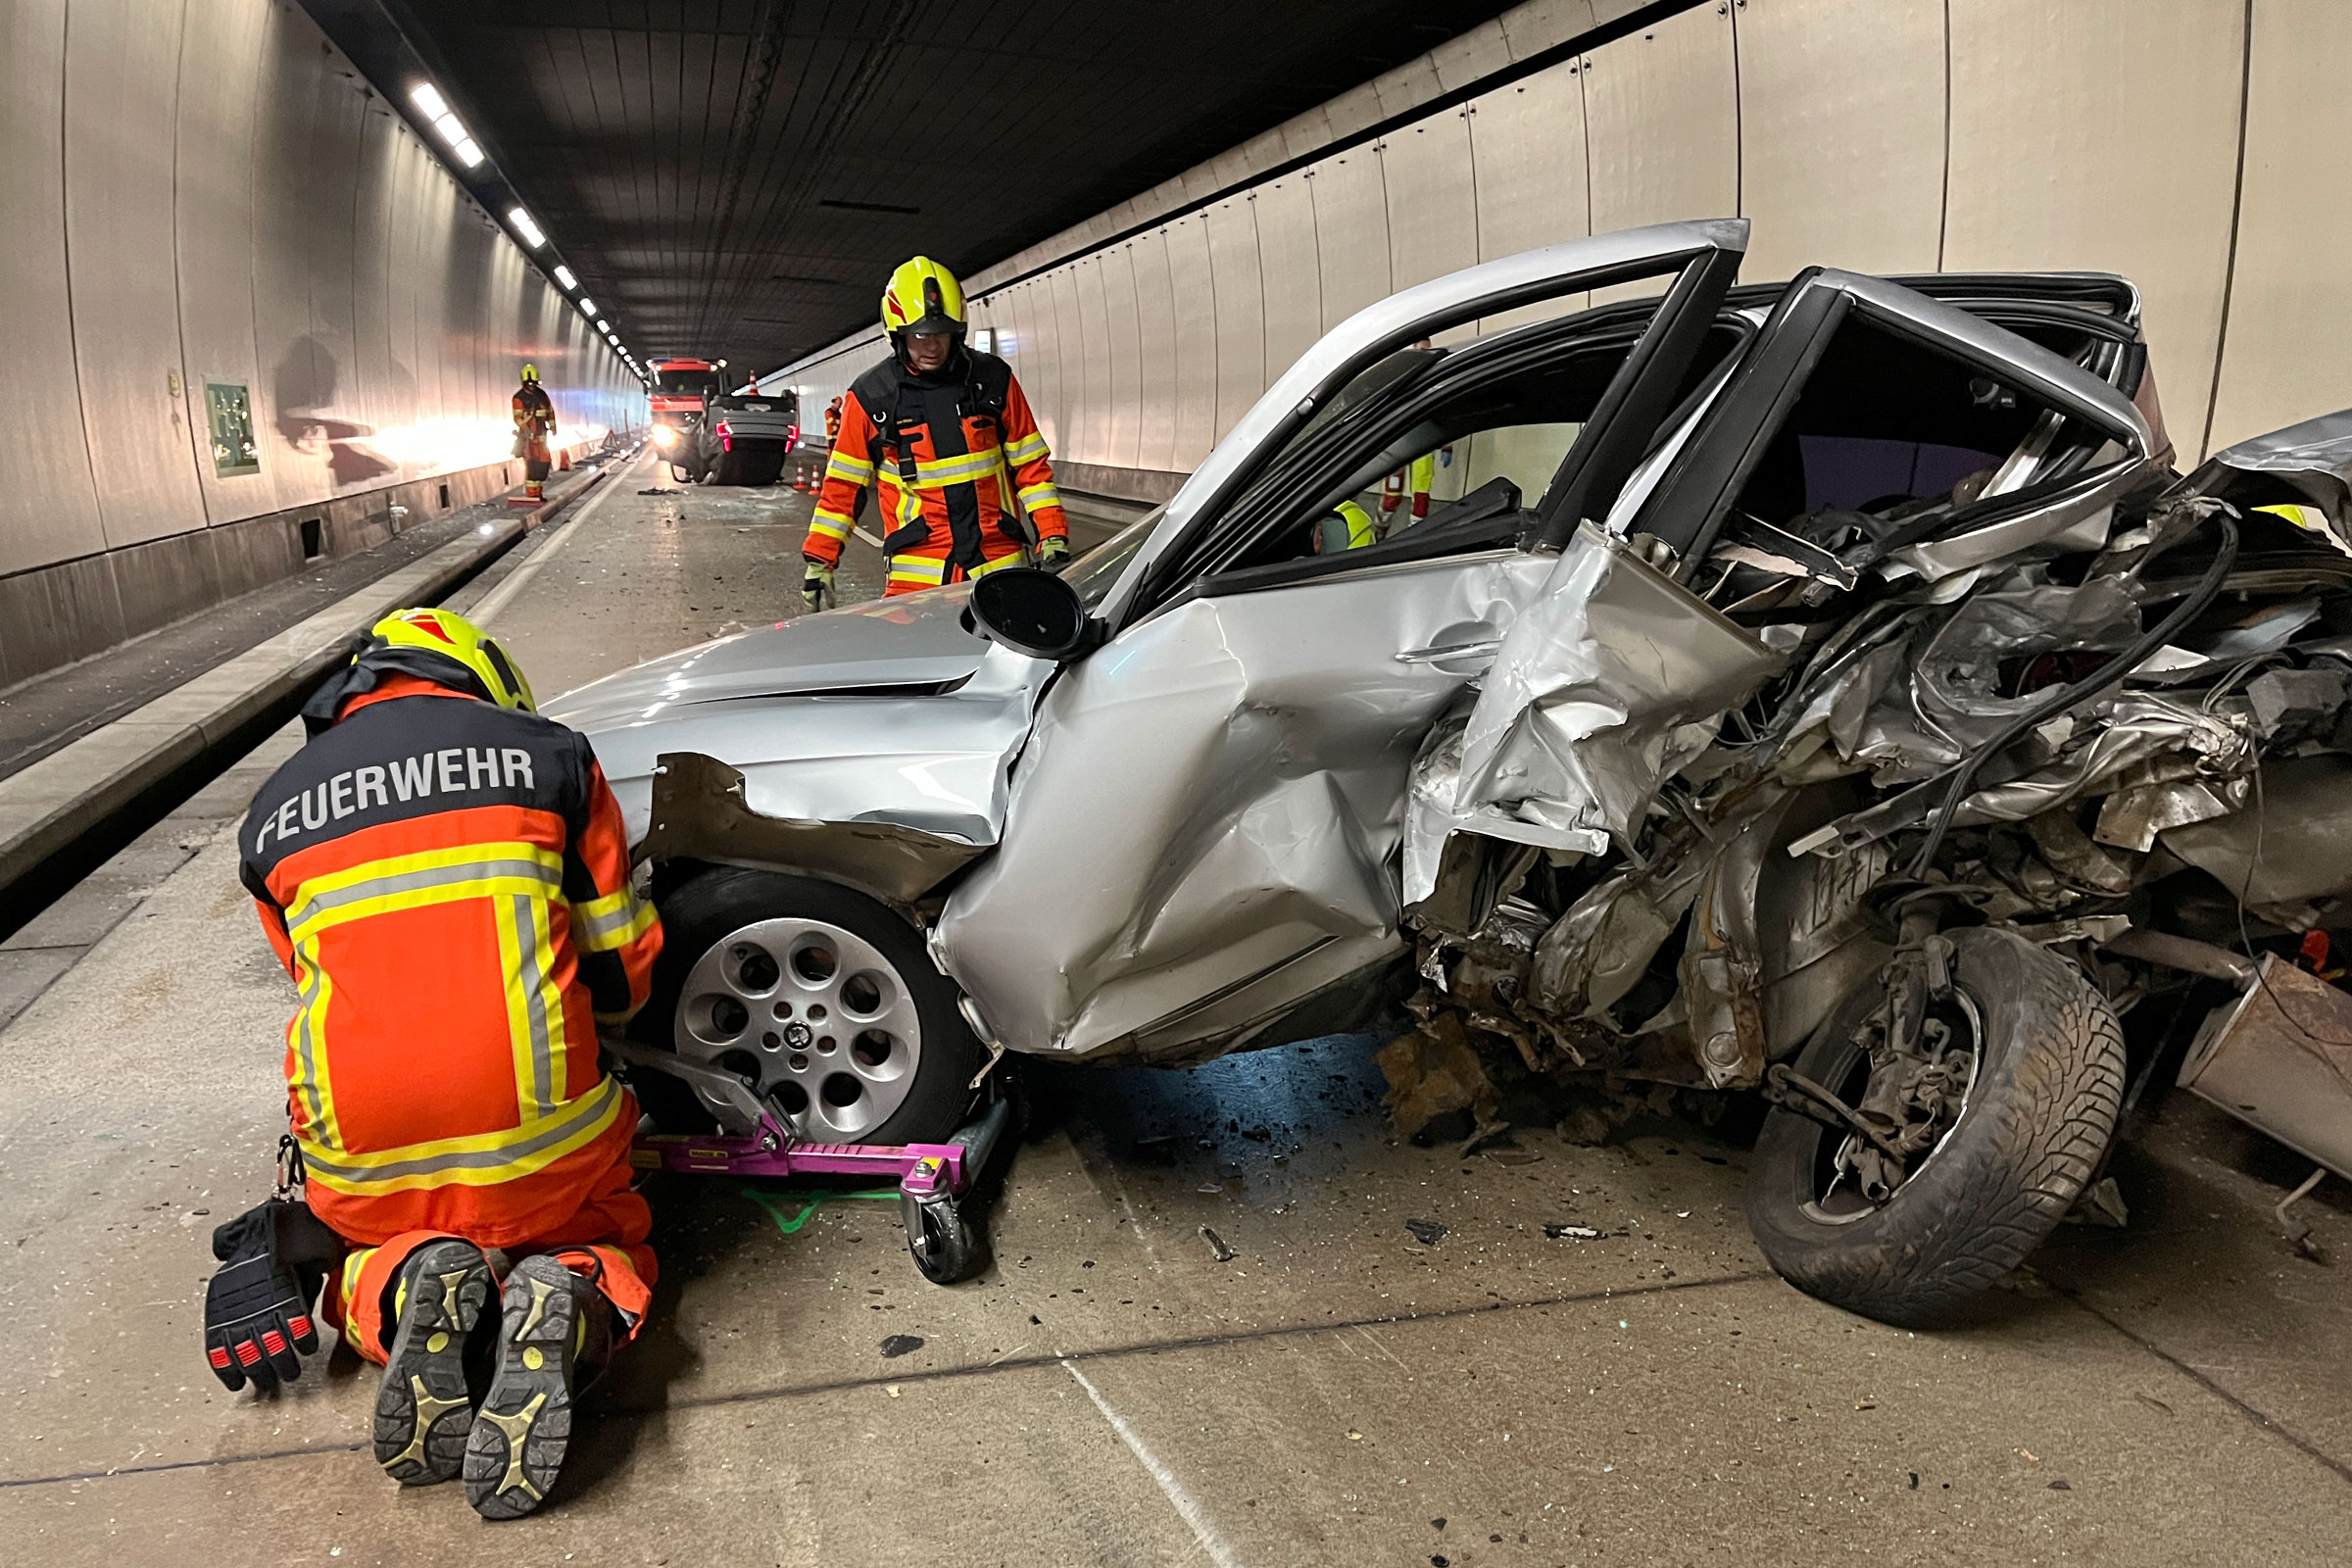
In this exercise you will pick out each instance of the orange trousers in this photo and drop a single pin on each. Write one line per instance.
(603, 1242)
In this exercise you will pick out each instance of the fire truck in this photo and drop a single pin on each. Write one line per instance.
(711, 437)
(681, 395)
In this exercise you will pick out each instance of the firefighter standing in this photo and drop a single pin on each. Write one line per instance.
(832, 423)
(535, 422)
(446, 877)
(947, 433)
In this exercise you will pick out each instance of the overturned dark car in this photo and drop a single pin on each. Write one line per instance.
(1826, 690)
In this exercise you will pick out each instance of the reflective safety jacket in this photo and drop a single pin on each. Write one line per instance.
(448, 883)
(534, 421)
(959, 459)
(1345, 526)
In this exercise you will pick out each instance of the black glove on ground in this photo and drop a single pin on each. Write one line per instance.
(257, 1311)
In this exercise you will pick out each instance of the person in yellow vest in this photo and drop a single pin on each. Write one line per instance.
(1345, 526)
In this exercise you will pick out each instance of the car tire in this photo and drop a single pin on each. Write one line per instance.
(711, 919)
(2049, 1084)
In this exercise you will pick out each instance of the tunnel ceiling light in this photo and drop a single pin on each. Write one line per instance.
(533, 234)
(428, 97)
(588, 308)
(564, 277)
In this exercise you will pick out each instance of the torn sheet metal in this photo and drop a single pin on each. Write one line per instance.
(2279, 1058)
(1927, 691)
(700, 813)
(1614, 678)
(2077, 518)
(2314, 458)
(2291, 843)
(2131, 739)
(1432, 819)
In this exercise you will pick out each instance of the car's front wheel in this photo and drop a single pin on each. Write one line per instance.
(821, 996)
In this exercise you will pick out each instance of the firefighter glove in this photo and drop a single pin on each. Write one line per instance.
(257, 1311)
(817, 586)
(1053, 554)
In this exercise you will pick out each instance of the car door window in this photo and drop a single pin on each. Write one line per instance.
(1884, 441)
(1496, 420)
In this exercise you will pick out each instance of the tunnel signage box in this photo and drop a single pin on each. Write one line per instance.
(228, 407)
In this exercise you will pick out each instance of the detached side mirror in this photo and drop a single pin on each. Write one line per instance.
(1034, 612)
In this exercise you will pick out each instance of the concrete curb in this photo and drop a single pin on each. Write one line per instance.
(49, 808)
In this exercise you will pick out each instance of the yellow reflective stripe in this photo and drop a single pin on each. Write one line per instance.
(415, 881)
(937, 473)
(307, 1038)
(478, 1159)
(826, 525)
(998, 564)
(353, 1261)
(604, 924)
(837, 467)
(1028, 449)
(1040, 495)
(534, 1007)
(916, 569)
(1422, 472)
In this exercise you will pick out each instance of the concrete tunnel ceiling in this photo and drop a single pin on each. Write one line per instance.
(737, 177)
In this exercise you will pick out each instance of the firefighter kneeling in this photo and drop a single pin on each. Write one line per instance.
(446, 877)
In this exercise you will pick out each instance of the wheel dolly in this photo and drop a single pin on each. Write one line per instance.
(933, 1179)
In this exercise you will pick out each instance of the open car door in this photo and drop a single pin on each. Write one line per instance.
(1201, 844)
(1868, 432)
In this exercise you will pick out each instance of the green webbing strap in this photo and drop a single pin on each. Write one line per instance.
(778, 1203)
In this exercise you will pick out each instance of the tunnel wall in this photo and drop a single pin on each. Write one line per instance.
(1882, 135)
(212, 194)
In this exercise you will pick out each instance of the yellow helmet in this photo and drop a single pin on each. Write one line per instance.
(531, 372)
(922, 295)
(453, 637)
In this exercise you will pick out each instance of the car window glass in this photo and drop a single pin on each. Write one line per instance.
(1458, 460)
(1098, 568)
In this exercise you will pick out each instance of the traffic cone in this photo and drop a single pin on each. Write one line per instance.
(799, 477)
(563, 459)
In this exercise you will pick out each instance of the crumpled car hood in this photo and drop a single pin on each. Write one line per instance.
(912, 640)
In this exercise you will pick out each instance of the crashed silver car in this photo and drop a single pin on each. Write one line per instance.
(1824, 689)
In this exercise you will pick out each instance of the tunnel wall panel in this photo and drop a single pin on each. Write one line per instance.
(121, 86)
(2103, 134)
(1195, 431)
(1156, 319)
(2296, 211)
(1287, 270)
(1240, 310)
(2099, 133)
(213, 193)
(1124, 329)
(1351, 233)
(1431, 199)
(1093, 413)
(1527, 149)
(1840, 153)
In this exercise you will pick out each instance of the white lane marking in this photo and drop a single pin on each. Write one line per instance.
(1185, 1502)
(504, 593)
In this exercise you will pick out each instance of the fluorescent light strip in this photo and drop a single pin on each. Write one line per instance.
(533, 234)
(564, 277)
(427, 98)
(588, 308)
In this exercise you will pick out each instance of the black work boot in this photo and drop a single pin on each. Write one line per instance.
(554, 1323)
(423, 1407)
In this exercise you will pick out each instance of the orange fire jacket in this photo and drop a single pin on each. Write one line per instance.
(959, 459)
(446, 882)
